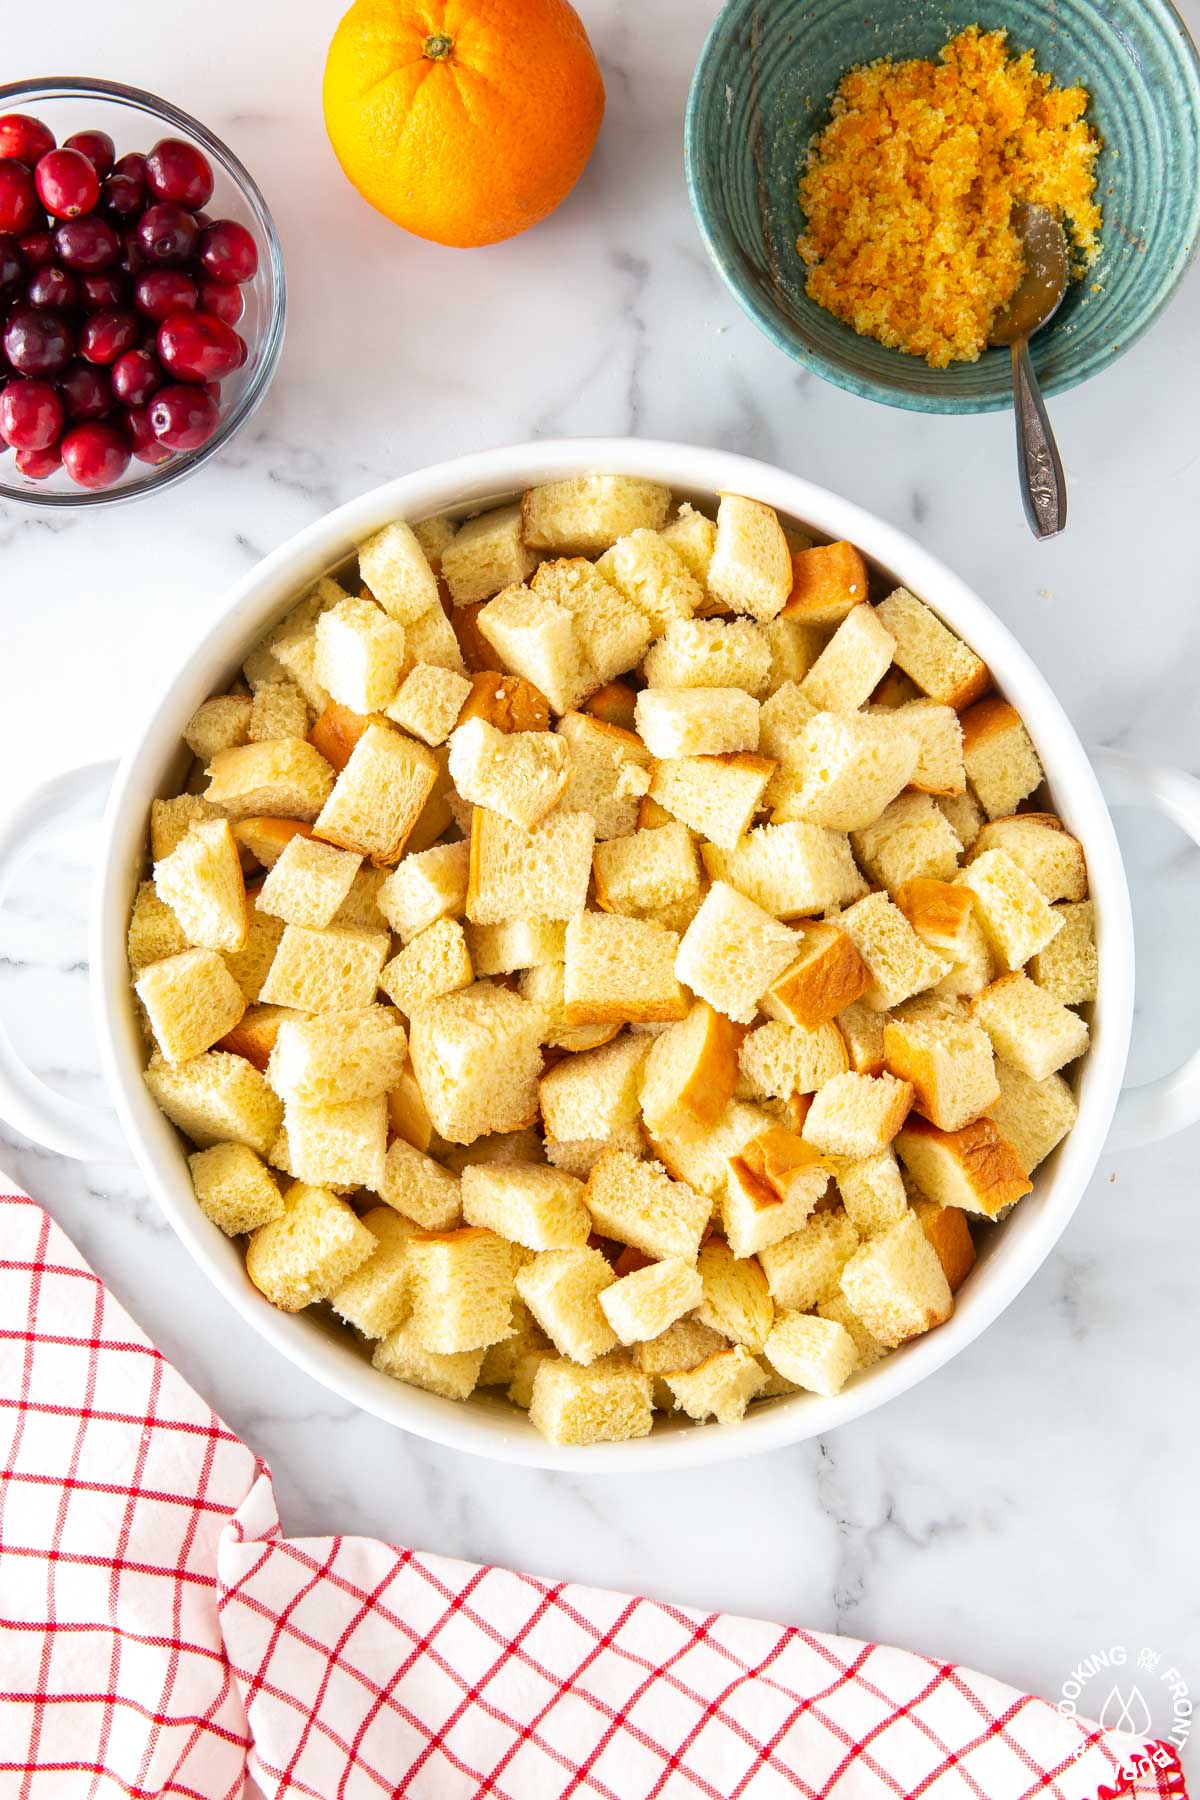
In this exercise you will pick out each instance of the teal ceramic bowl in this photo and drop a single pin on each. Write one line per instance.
(763, 86)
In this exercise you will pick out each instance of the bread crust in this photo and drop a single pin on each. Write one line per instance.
(828, 582)
(828, 976)
(508, 702)
(335, 733)
(985, 1158)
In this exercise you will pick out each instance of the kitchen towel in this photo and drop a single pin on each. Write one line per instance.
(159, 1635)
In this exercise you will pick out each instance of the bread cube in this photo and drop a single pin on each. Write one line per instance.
(1034, 1116)
(600, 756)
(715, 795)
(646, 870)
(309, 1250)
(751, 567)
(400, 1355)
(910, 840)
(477, 1059)
(971, 972)
(789, 870)
(782, 718)
(674, 722)
(1043, 849)
(308, 882)
(262, 664)
(637, 1203)
(806, 1268)
(1067, 967)
(508, 702)
(266, 839)
(191, 1000)
(562, 1290)
(360, 908)
(684, 1345)
(507, 1362)
(690, 1068)
(999, 757)
(700, 1154)
(606, 1403)
(852, 664)
(515, 944)
(293, 662)
(201, 881)
(794, 648)
(594, 1094)
(857, 1115)
(251, 965)
(217, 1098)
(429, 702)
(486, 554)
(642, 1305)
(898, 963)
(234, 1188)
(218, 724)
(618, 969)
(338, 1145)
(377, 1297)
(337, 1056)
(1017, 920)
(950, 1064)
(335, 970)
(774, 1183)
(279, 710)
(395, 568)
(735, 1299)
(255, 1033)
(652, 576)
(710, 653)
(434, 963)
(538, 874)
(613, 634)
(590, 512)
(965, 815)
(428, 885)
(283, 778)
(975, 1168)
(154, 931)
(938, 731)
(817, 1353)
(861, 1027)
(378, 796)
(527, 1203)
(828, 581)
(844, 768)
(940, 912)
(897, 689)
(1029, 1027)
(519, 774)
(779, 1060)
(828, 976)
(543, 989)
(872, 1191)
(950, 1238)
(535, 637)
(896, 1284)
(719, 1388)
(939, 662)
(420, 1189)
(693, 538)
(732, 951)
(461, 1286)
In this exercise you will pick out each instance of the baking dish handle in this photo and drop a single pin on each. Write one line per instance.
(87, 1133)
(1156, 1109)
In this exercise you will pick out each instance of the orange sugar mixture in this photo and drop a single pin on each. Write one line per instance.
(907, 192)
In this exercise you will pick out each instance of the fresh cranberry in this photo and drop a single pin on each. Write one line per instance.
(37, 342)
(133, 259)
(86, 392)
(67, 184)
(87, 244)
(136, 378)
(228, 252)
(195, 346)
(31, 415)
(100, 290)
(37, 464)
(12, 263)
(26, 140)
(37, 247)
(54, 287)
(146, 446)
(183, 418)
(161, 292)
(176, 171)
(95, 455)
(18, 196)
(167, 234)
(97, 146)
(123, 192)
(224, 299)
(106, 334)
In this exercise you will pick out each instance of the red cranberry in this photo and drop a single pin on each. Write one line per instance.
(95, 455)
(106, 334)
(133, 259)
(53, 286)
(31, 415)
(161, 292)
(87, 244)
(26, 140)
(37, 247)
(136, 378)
(146, 446)
(176, 171)
(183, 418)
(167, 234)
(228, 252)
(223, 299)
(12, 263)
(37, 342)
(195, 346)
(18, 196)
(37, 464)
(67, 184)
(86, 392)
(100, 290)
(97, 146)
(123, 193)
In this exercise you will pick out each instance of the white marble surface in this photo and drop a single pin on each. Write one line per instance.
(1034, 1501)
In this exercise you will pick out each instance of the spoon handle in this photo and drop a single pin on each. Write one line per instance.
(1039, 467)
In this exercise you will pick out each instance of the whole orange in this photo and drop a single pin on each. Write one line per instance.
(465, 121)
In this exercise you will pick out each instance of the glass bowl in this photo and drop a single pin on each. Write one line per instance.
(135, 120)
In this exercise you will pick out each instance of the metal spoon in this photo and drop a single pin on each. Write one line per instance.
(1043, 485)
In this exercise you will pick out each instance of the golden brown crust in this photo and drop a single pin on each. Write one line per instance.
(253, 1037)
(336, 732)
(277, 832)
(508, 702)
(938, 911)
(911, 1062)
(408, 1116)
(477, 653)
(828, 976)
(766, 1168)
(613, 704)
(708, 1089)
(668, 1010)
(828, 581)
(988, 719)
(947, 1230)
(986, 1159)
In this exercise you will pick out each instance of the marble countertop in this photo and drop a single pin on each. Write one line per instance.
(1033, 1502)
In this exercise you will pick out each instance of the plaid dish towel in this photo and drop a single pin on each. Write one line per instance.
(160, 1636)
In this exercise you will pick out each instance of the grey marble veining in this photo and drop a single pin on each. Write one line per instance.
(1034, 1500)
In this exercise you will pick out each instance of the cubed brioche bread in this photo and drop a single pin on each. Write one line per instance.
(278, 710)
(596, 1092)
(477, 1058)
(360, 653)
(431, 638)
(965, 815)
(684, 1345)
(519, 774)
(338, 1146)
(652, 576)
(282, 778)
(408, 1115)
(543, 988)
(420, 1189)
(255, 1032)
(642, 1305)
(154, 931)
(601, 756)
(817, 1354)
(675, 722)
(1067, 966)
(975, 1168)
(896, 1285)
(861, 1027)
(827, 976)
(710, 653)
(486, 554)
(335, 970)
(699, 1154)
(400, 1355)
(266, 839)
(637, 1203)
(397, 571)
(220, 723)
(843, 769)
(852, 664)
(735, 1300)
(782, 717)
(1043, 849)
(827, 582)
(777, 1060)
(1034, 1116)
(647, 869)
(898, 962)
(869, 1348)
(435, 535)
(612, 634)
(692, 535)
(950, 1236)
(910, 840)
(974, 968)
(732, 951)
(515, 944)
(716, 796)
(309, 1250)
(619, 969)
(378, 1295)
(435, 962)
(691, 1068)
(1029, 1027)
(462, 1287)
(590, 512)
(1016, 919)
(872, 1190)
(508, 702)
(805, 1268)
(428, 702)
(940, 912)
(606, 1403)
(527, 1203)
(750, 570)
(217, 1098)
(950, 1064)
(857, 1115)
(926, 650)
(428, 885)
(378, 796)
(191, 1000)
(794, 648)
(335, 732)
(774, 1183)
(235, 1188)
(308, 882)
(337, 1056)
(938, 729)
(790, 870)
(562, 1290)
(534, 636)
(719, 1388)
(201, 881)
(538, 874)
(998, 754)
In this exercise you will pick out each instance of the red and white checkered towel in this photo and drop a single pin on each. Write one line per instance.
(160, 1636)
